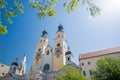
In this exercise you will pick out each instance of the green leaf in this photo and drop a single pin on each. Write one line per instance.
(9, 20)
(17, 4)
(51, 13)
(36, 5)
(21, 11)
(68, 9)
(30, 5)
(3, 3)
(41, 15)
(84, 1)
(3, 30)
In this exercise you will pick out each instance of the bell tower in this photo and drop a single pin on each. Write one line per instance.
(40, 49)
(60, 47)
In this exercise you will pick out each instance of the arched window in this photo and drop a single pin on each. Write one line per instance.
(58, 35)
(46, 67)
(39, 49)
(58, 45)
(68, 58)
(47, 52)
(40, 40)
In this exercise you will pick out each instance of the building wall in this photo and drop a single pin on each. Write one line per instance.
(3, 69)
(41, 45)
(47, 59)
(92, 63)
(59, 61)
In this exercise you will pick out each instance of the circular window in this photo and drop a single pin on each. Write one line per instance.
(46, 67)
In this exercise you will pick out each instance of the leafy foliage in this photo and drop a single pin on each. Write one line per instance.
(3, 30)
(70, 73)
(46, 7)
(7, 12)
(108, 69)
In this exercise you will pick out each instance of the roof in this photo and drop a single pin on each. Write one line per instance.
(68, 52)
(15, 63)
(100, 53)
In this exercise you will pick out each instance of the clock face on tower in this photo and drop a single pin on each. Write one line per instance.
(38, 55)
(58, 51)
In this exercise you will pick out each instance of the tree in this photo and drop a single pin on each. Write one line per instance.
(46, 7)
(108, 68)
(70, 73)
(8, 11)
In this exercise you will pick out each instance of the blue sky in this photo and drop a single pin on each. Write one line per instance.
(84, 33)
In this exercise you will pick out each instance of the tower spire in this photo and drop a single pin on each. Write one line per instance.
(23, 64)
(68, 48)
(60, 28)
(44, 33)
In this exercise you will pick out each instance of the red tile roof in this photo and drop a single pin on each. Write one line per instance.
(100, 53)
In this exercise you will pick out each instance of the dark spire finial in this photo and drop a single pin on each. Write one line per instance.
(15, 62)
(60, 28)
(68, 48)
(44, 33)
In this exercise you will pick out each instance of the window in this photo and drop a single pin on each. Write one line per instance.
(2, 65)
(54, 77)
(58, 45)
(90, 72)
(84, 73)
(40, 40)
(82, 64)
(39, 49)
(14, 68)
(89, 63)
(58, 35)
(3, 73)
(51, 50)
(46, 67)
(47, 52)
(68, 58)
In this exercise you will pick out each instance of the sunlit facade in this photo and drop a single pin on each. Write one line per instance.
(88, 61)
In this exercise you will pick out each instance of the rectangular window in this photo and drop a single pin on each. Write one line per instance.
(82, 64)
(3, 73)
(91, 73)
(84, 73)
(89, 63)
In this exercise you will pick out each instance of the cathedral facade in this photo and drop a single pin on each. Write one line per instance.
(47, 62)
